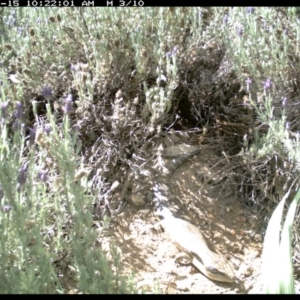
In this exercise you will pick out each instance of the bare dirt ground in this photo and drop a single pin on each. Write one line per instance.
(230, 227)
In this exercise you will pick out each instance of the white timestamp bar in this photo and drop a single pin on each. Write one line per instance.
(47, 3)
(67, 3)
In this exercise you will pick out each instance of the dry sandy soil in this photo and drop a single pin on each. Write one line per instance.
(226, 224)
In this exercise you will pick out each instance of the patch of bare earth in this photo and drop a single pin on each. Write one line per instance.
(226, 224)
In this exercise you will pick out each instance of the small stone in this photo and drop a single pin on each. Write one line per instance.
(240, 212)
(258, 238)
(137, 199)
(256, 253)
(242, 219)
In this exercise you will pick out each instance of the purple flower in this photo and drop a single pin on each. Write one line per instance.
(32, 132)
(173, 52)
(23, 129)
(72, 67)
(287, 125)
(6, 208)
(225, 19)
(249, 83)
(175, 49)
(284, 101)
(19, 110)
(250, 9)
(76, 127)
(267, 84)
(264, 25)
(22, 176)
(68, 104)
(4, 110)
(47, 129)
(43, 175)
(47, 92)
(239, 29)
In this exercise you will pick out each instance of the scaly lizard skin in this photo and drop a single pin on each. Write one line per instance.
(186, 236)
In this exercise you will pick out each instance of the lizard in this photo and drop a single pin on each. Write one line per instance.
(185, 235)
